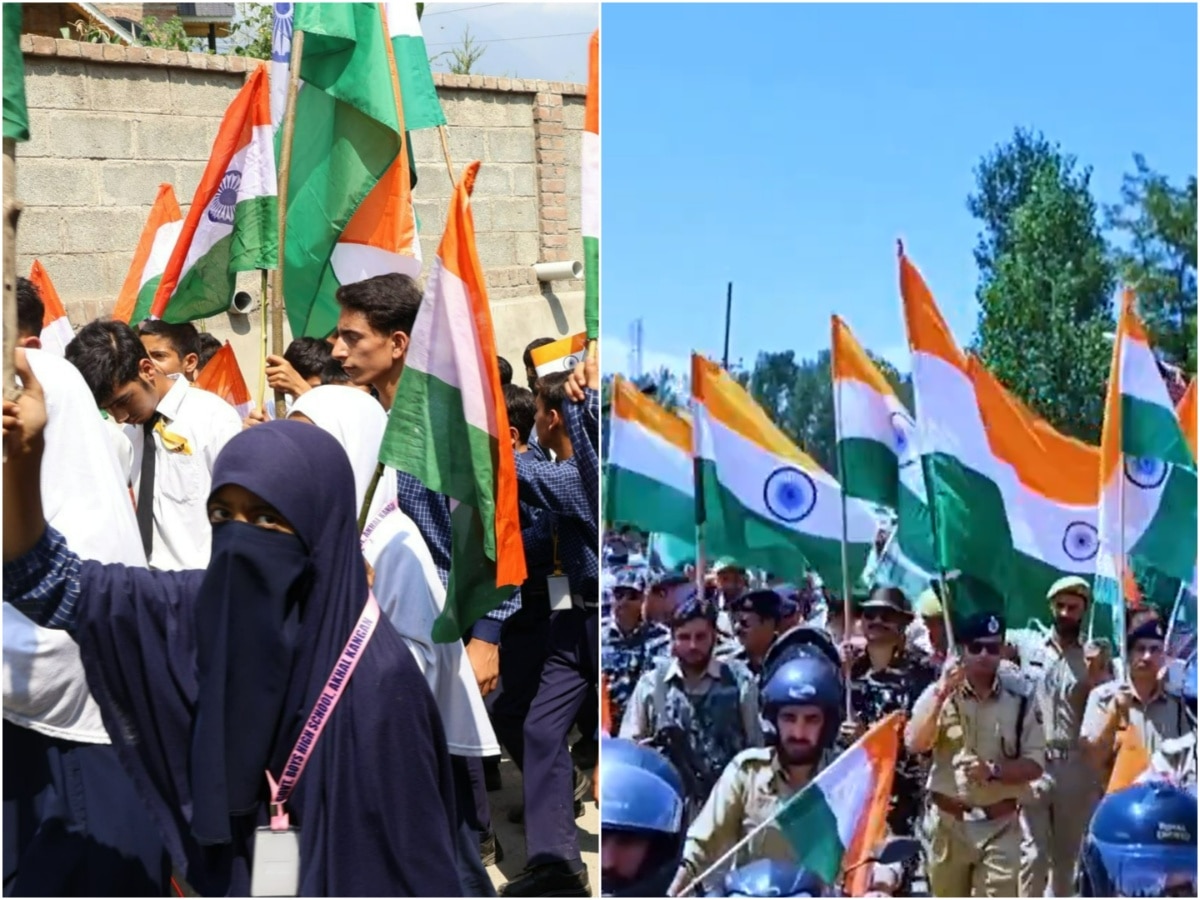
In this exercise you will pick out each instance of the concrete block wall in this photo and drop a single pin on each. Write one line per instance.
(110, 123)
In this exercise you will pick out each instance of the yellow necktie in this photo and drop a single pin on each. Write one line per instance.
(172, 442)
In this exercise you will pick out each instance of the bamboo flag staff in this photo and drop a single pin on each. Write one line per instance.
(262, 356)
(16, 128)
(847, 606)
(285, 164)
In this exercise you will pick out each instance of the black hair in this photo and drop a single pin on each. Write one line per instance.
(552, 389)
(333, 373)
(389, 302)
(521, 410)
(207, 348)
(107, 353)
(183, 336)
(30, 309)
(505, 370)
(309, 356)
(533, 345)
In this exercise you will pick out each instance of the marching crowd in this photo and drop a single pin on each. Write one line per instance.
(729, 700)
(217, 683)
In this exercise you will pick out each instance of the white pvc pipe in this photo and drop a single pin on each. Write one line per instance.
(559, 271)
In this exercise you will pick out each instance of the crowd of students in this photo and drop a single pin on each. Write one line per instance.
(190, 604)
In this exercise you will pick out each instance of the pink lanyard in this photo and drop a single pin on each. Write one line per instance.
(322, 710)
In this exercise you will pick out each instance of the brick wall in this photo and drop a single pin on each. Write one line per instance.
(109, 123)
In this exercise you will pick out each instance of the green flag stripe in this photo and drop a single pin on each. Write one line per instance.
(207, 287)
(869, 470)
(812, 829)
(1152, 431)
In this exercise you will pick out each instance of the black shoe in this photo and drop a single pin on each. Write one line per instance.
(490, 850)
(516, 815)
(550, 880)
(491, 774)
(586, 753)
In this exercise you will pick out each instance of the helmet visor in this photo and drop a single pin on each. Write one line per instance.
(1150, 871)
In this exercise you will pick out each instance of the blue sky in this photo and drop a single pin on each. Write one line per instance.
(786, 148)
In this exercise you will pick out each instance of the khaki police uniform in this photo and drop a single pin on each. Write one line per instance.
(972, 832)
(1056, 815)
(1158, 719)
(748, 793)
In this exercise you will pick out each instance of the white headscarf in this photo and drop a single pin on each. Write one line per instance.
(357, 420)
(85, 496)
(407, 585)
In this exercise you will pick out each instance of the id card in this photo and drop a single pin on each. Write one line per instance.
(559, 588)
(276, 868)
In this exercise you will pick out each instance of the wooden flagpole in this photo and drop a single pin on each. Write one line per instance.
(285, 165)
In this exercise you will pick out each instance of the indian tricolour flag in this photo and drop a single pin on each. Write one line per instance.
(560, 356)
(154, 248)
(232, 225)
(449, 425)
(590, 196)
(1148, 472)
(1185, 409)
(765, 501)
(877, 454)
(837, 820)
(650, 480)
(56, 328)
(223, 377)
(349, 205)
(421, 106)
(1013, 502)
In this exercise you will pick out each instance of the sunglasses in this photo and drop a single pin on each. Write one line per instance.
(878, 614)
(979, 648)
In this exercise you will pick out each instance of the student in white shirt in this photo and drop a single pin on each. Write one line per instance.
(174, 347)
(406, 582)
(188, 429)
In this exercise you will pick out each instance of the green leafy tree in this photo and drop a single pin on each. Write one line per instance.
(1158, 220)
(1046, 286)
(168, 35)
(461, 60)
(255, 27)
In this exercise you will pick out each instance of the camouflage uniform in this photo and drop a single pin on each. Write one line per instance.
(718, 721)
(624, 657)
(873, 695)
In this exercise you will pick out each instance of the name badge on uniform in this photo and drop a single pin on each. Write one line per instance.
(559, 589)
(276, 868)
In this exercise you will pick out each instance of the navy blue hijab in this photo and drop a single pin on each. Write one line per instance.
(204, 680)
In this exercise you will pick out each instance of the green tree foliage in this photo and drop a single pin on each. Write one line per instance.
(1158, 220)
(255, 25)
(798, 396)
(1045, 295)
(461, 60)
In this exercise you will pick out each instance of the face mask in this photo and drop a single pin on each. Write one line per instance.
(248, 618)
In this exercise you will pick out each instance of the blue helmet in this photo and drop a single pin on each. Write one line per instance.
(773, 878)
(806, 681)
(1141, 843)
(642, 795)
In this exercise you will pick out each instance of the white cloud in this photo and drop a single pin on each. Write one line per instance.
(519, 40)
(615, 357)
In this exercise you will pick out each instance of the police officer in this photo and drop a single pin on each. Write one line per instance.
(887, 676)
(792, 609)
(1136, 701)
(984, 730)
(1176, 758)
(1141, 843)
(667, 591)
(773, 878)
(711, 705)
(629, 644)
(641, 820)
(803, 701)
(755, 623)
(1061, 802)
